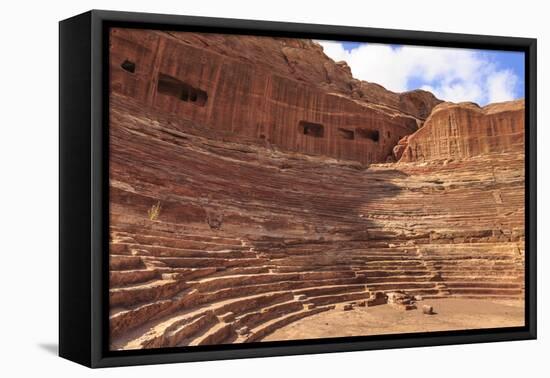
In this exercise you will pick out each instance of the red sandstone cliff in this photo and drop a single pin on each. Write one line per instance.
(466, 130)
(304, 60)
(283, 92)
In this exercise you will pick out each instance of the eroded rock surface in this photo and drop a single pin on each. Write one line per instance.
(261, 223)
(282, 92)
(466, 130)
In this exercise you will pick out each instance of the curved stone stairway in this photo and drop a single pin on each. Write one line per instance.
(198, 289)
(250, 239)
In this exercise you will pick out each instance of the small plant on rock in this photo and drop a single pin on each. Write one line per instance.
(154, 211)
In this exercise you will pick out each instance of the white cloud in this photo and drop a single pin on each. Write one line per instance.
(501, 85)
(451, 74)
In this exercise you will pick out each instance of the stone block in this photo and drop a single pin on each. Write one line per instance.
(227, 317)
(428, 310)
(243, 331)
(377, 299)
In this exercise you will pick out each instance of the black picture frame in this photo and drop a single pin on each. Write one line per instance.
(83, 182)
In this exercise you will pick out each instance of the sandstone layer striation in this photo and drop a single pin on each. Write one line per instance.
(232, 215)
(466, 130)
(281, 92)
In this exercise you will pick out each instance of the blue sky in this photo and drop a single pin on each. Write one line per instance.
(481, 76)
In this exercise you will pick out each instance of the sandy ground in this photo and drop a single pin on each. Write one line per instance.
(451, 314)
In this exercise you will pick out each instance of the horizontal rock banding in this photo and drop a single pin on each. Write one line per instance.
(254, 266)
(268, 100)
(466, 130)
(252, 235)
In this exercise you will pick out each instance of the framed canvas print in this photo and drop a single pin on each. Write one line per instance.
(234, 188)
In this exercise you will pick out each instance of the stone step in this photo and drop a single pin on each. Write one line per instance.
(213, 283)
(467, 280)
(512, 292)
(482, 273)
(470, 247)
(120, 321)
(121, 262)
(178, 331)
(148, 236)
(385, 265)
(240, 305)
(232, 271)
(217, 334)
(118, 278)
(222, 253)
(480, 252)
(235, 291)
(396, 286)
(252, 319)
(308, 268)
(480, 258)
(337, 259)
(401, 278)
(474, 265)
(424, 292)
(186, 240)
(258, 333)
(378, 254)
(481, 285)
(396, 272)
(189, 274)
(493, 296)
(506, 278)
(190, 262)
(167, 251)
(162, 315)
(145, 292)
(337, 298)
(329, 290)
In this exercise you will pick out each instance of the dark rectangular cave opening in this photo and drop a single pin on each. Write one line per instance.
(311, 129)
(171, 86)
(128, 66)
(373, 135)
(346, 134)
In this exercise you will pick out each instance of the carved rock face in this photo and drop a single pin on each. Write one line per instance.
(466, 130)
(265, 89)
